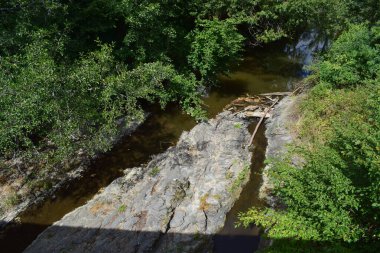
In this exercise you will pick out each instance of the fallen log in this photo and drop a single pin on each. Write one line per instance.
(251, 108)
(285, 93)
(256, 114)
(261, 120)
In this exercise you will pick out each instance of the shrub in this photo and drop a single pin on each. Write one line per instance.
(353, 59)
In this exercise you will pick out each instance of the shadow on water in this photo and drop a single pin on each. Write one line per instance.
(246, 240)
(130, 241)
(155, 135)
(260, 72)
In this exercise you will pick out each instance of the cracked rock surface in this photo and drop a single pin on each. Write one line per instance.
(173, 204)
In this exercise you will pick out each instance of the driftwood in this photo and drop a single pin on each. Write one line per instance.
(257, 114)
(298, 90)
(253, 106)
(261, 120)
(257, 106)
(285, 93)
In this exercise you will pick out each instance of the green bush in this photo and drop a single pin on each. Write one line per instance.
(330, 200)
(78, 106)
(354, 58)
(209, 54)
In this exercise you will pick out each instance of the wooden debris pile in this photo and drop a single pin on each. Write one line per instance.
(257, 106)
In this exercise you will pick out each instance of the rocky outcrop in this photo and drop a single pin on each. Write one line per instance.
(175, 203)
(279, 135)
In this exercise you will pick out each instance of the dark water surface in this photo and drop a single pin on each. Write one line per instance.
(261, 71)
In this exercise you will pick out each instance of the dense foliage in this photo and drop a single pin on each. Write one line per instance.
(353, 60)
(71, 68)
(72, 71)
(331, 200)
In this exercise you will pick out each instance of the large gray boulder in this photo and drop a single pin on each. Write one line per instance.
(173, 204)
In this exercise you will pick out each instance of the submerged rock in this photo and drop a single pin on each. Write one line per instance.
(173, 204)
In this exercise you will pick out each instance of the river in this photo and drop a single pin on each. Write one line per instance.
(261, 71)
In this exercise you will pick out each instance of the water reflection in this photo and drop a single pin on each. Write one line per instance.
(304, 50)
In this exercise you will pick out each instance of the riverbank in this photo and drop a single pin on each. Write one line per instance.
(33, 192)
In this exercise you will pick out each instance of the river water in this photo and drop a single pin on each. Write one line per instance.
(261, 71)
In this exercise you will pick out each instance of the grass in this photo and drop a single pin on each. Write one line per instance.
(154, 172)
(217, 196)
(12, 200)
(122, 208)
(238, 125)
(240, 179)
(204, 205)
(229, 175)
